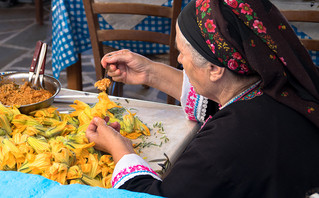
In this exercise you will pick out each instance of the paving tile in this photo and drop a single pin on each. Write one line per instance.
(7, 55)
(88, 68)
(5, 35)
(30, 36)
(17, 12)
(14, 26)
(26, 61)
(23, 65)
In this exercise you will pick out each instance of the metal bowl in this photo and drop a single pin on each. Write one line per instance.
(50, 83)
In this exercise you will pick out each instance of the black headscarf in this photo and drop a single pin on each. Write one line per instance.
(249, 36)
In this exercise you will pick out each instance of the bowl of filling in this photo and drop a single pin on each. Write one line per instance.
(15, 90)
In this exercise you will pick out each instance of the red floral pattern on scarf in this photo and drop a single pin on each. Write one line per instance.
(226, 54)
(258, 25)
(250, 18)
(232, 3)
(205, 5)
(224, 50)
(245, 8)
(209, 24)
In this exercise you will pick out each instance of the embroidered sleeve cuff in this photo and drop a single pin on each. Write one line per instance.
(194, 105)
(129, 166)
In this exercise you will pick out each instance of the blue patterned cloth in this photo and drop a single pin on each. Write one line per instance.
(70, 34)
(15, 184)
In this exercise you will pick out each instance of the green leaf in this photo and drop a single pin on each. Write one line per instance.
(117, 112)
(249, 17)
(203, 14)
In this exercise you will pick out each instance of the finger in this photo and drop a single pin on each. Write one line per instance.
(115, 72)
(120, 56)
(91, 135)
(116, 126)
(108, 59)
(111, 67)
(117, 52)
(118, 79)
(106, 119)
(99, 121)
(92, 126)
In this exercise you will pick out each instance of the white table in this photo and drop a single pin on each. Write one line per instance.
(177, 128)
(127, 21)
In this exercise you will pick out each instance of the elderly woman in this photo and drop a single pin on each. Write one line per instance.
(264, 140)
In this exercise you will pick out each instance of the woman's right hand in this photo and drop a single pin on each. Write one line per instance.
(127, 67)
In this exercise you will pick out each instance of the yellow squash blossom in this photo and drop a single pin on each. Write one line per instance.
(54, 145)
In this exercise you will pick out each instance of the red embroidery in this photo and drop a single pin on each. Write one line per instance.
(310, 109)
(284, 94)
(190, 104)
(130, 170)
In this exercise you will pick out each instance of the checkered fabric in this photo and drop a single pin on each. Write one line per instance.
(70, 34)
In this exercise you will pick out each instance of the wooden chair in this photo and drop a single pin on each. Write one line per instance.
(97, 35)
(39, 11)
(304, 16)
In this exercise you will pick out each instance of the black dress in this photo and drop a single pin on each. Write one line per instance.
(252, 148)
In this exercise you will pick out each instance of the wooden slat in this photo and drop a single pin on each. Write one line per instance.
(137, 35)
(97, 47)
(74, 75)
(310, 44)
(173, 54)
(132, 8)
(304, 16)
(301, 15)
(39, 11)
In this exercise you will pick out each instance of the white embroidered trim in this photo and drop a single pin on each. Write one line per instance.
(201, 109)
(193, 104)
(128, 167)
(185, 91)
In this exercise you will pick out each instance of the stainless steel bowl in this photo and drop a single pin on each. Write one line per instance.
(50, 83)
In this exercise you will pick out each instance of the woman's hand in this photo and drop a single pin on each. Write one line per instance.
(131, 68)
(127, 67)
(108, 139)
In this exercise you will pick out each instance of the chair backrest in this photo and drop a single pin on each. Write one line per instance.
(98, 36)
(304, 16)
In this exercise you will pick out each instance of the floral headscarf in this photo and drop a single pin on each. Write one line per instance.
(250, 36)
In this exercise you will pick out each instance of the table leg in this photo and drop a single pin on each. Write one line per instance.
(39, 11)
(74, 75)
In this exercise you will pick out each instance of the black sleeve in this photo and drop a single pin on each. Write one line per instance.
(245, 151)
(199, 171)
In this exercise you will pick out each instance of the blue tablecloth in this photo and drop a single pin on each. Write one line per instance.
(14, 184)
(70, 33)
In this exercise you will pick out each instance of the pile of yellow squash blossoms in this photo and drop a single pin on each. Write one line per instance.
(54, 145)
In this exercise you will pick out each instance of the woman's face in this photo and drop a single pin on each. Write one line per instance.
(198, 76)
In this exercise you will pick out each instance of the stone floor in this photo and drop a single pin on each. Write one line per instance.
(19, 33)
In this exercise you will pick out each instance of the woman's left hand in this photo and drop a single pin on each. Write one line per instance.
(108, 139)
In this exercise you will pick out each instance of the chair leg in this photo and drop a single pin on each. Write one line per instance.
(120, 89)
(74, 75)
(116, 89)
(39, 11)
